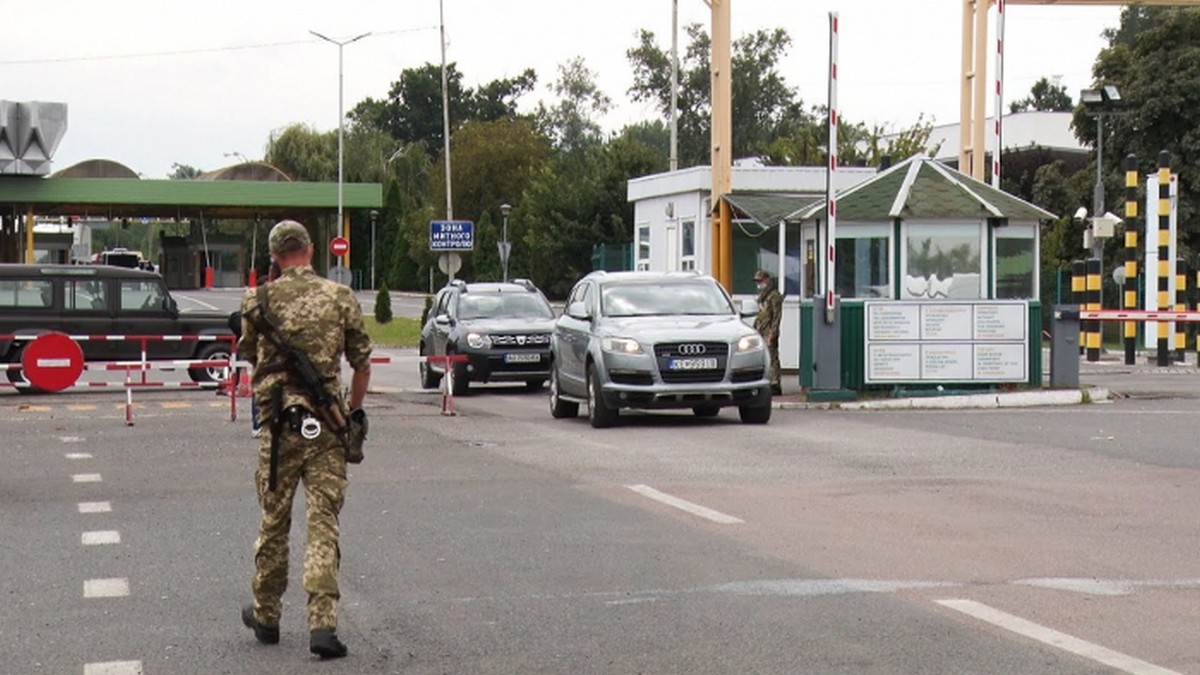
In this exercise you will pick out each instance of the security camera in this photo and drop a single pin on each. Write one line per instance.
(1081, 213)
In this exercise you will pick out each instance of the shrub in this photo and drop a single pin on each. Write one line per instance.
(383, 305)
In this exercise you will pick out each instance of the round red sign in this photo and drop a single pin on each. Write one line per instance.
(339, 246)
(52, 362)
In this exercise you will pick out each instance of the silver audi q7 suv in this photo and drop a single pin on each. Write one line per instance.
(655, 340)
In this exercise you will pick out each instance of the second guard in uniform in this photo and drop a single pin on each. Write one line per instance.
(295, 331)
(766, 322)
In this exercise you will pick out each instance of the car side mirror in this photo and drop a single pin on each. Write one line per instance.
(749, 308)
(442, 319)
(578, 310)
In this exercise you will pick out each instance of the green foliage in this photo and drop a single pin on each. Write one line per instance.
(303, 153)
(383, 305)
(183, 172)
(401, 333)
(1044, 96)
(1153, 58)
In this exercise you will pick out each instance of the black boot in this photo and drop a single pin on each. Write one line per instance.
(325, 643)
(268, 635)
(776, 390)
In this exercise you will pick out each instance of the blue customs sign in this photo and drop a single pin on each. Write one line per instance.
(451, 235)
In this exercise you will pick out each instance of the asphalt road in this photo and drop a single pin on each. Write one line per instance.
(408, 305)
(500, 540)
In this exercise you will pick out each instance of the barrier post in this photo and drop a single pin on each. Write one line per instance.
(1164, 253)
(1078, 295)
(1131, 266)
(129, 397)
(1093, 304)
(1064, 353)
(1180, 306)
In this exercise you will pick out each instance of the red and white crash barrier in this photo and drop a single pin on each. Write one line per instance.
(447, 379)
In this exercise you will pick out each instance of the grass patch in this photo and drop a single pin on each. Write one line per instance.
(399, 332)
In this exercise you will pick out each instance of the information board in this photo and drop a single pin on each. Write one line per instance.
(964, 341)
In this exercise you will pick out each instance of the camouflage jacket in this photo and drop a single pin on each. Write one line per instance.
(770, 311)
(319, 317)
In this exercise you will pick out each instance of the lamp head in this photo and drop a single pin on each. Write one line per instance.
(505, 208)
(1081, 213)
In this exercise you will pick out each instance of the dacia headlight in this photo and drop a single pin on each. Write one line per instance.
(621, 345)
(749, 343)
(479, 341)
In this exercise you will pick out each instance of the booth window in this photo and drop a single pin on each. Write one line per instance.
(757, 248)
(687, 236)
(1016, 263)
(643, 248)
(942, 262)
(862, 268)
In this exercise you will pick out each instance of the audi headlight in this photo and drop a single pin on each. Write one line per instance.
(620, 345)
(479, 341)
(750, 343)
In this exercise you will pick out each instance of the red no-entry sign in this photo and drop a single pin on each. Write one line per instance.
(339, 246)
(52, 362)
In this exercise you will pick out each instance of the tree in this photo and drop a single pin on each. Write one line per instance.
(383, 305)
(1044, 96)
(571, 124)
(303, 153)
(412, 111)
(183, 172)
(764, 106)
(1153, 58)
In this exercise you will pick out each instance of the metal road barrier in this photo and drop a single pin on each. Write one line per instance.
(1064, 352)
(448, 407)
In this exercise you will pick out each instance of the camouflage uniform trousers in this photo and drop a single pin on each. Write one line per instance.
(773, 350)
(321, 465)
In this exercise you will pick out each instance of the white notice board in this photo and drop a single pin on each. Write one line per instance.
(974, 341)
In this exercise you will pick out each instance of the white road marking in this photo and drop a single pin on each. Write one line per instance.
(86, 478)
(79, 455)
(1090, 586)
(113, 668)
(100, 537)
(189, 298)
(1049, 636)
(106, 588)
(95, 507)
(816, 587)
(684, 505)
(71, 439)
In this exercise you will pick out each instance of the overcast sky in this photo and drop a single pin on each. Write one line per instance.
(152, 82)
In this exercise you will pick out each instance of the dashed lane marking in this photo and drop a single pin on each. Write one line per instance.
(81, 407)
(86, 478)
(113, 668)
(71, 439)
(79, 455)
(95, 507)
(106, 588)
(1049, 636)
(175, 405)
(684, 505)
(100, 538)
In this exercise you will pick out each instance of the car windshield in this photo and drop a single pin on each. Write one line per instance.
(663, 298)
(503, 305)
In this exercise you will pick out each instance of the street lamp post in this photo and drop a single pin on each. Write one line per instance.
(1099, 103)
(505, 249)
(341, 123)
(374, 217)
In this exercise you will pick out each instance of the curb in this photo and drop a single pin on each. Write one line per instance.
(1019, 399)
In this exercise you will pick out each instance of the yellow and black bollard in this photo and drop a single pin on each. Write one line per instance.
(1093, 304)
(1131, 266)
(1079, 297)
(1163, 303)
(1180, 306)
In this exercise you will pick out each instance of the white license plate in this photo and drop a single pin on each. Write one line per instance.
(522, 358)
(706, 363)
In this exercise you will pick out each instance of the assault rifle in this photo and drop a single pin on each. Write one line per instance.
(297, 363)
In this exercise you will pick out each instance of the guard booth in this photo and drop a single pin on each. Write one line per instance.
(937, 275)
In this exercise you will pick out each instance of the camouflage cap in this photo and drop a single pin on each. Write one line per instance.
(761, 275)
(287, 236)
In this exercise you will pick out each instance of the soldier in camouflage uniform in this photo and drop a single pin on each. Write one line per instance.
(766, 322)
(321, 319)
